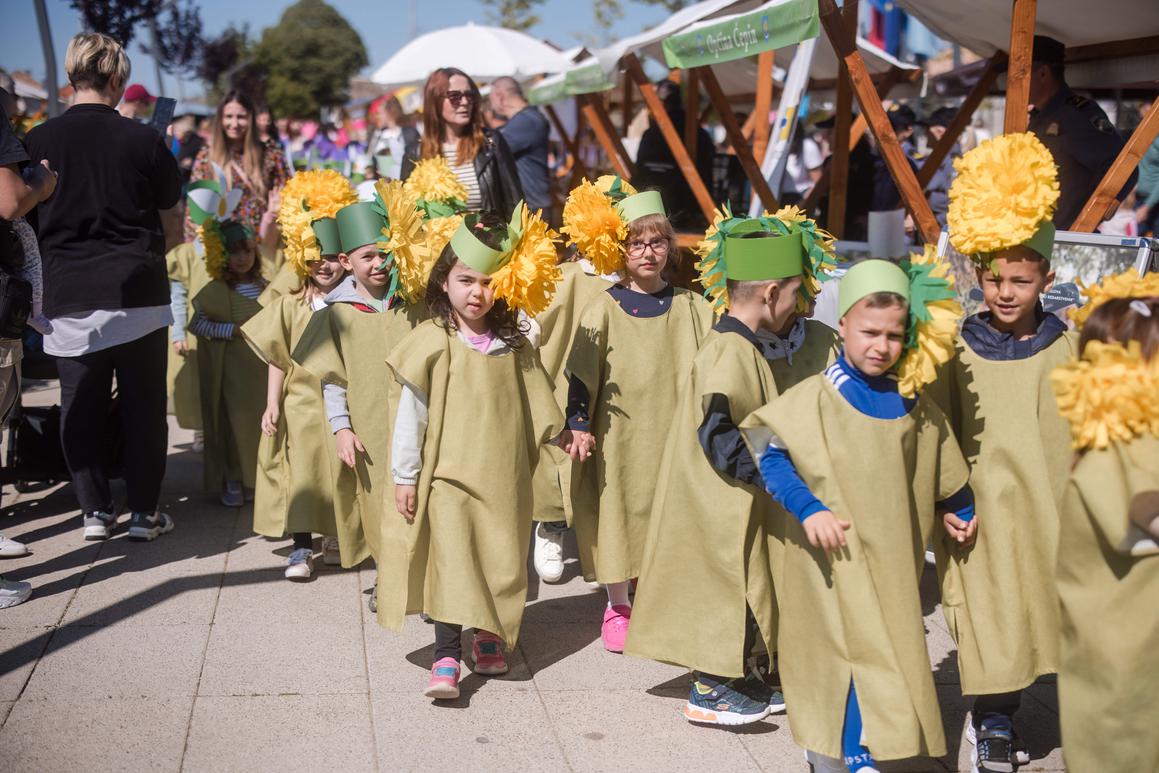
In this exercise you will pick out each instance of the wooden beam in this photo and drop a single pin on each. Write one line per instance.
(597, 117)
(691, 110)
(1115, 50)
(1103, 197)
(888, 145)
(578, 171)
(750, 125)
(732, 129)
(764, 104)
(671, 136)
(961, 120)
(627, 104)
(839, 164)
(1018, 76)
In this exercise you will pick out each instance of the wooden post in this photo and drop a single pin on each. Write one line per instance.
(1018, 76)
(1101, 200)
(839, 165)
(627, 104)
(744, 153)
(691, 110)
(764, 103)
(961, 120)
(890, 149)
(601, 123)
(671, 136)
(578, 171)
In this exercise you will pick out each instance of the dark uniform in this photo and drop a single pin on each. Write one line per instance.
(938, 188)
(1084, 144)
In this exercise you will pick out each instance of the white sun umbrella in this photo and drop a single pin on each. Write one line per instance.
(484, 53)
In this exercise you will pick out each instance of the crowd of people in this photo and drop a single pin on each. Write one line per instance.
(409, 372)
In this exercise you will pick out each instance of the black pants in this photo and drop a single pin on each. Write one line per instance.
(86, 386)
(1005, 703)
(448, 641)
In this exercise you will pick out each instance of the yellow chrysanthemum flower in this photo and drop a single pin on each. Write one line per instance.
(936, 327)
(439, 231)
(306, 197)
(432, 179)
(405, 239)
(1125, 285)
(529, 279)
(709, 268)
(1005, 188)
(1111, 394)
(216, 259)
(594, 225)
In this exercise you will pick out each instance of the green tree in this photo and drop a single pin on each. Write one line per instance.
(672, 6)
(309, 58)
(513, 14)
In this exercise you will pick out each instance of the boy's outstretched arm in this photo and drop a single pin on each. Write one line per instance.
(822, 527)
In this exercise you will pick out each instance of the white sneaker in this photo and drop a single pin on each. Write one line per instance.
(13, 592)
(331, 553)
(10, 548)
(198, 442)
(99, 525)
(301, 564)
(548, 553)
(819, 763)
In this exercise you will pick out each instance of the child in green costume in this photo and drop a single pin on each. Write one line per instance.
(459, 552)
(998, 591)
(861, 460)
(1108, 556)
(707, 555)
(345, 346)
(186, 267)
(633, 344)
(230, 375)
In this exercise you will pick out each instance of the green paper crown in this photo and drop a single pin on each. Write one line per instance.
(868, 277)
(326, 234)
(762, 258)
(637, 206)
(359, 224)
(195, 201)
(234, 233)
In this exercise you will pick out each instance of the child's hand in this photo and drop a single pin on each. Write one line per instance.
(405, 497)
(349, 446)
(270, 420)
(825, 530)
(180, 348)
(961, 532)
(578, 444)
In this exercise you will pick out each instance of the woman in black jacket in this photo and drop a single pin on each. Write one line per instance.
(453, 128)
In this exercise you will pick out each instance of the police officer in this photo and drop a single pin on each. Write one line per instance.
(938, 188)
(885, 193)
(1075, 130)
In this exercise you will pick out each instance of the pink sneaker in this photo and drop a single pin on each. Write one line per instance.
(615, 630)
(487, 651)
(444, 683)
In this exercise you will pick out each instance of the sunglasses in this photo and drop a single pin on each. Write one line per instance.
(457, 97)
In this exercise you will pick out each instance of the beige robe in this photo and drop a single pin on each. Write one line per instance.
(187, 267)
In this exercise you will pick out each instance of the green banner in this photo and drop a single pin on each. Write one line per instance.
(588, 79)
(773, 25)
(547, 91)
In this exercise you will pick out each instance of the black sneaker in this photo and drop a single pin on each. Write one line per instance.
(145, 527)
(994, 750)
(723, 704)
(757, 688)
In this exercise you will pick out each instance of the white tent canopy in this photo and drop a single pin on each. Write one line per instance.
(485, 53)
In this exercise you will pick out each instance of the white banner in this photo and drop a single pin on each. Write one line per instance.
(785, 120)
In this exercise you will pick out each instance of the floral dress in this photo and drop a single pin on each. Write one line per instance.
(252, 205)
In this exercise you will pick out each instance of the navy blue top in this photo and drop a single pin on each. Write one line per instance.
(991, 344)
(527, 133)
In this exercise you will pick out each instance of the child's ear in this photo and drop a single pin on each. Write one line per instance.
(344, 261)
(772, 290)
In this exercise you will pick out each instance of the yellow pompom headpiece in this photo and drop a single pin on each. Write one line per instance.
(435, 187)
(934, 312)
(1005, 191)
(1125, 285)
(404, 240)
(594, 225)
(309, 196)
(1111, 394)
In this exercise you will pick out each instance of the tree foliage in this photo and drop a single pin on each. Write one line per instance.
(513, 14)
(309, 58)
(178, 23)
(227, 62)
(672, 6)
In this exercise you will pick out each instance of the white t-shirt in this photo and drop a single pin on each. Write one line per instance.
(798, 166)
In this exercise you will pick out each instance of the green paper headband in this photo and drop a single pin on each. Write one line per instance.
(486, 260)
(762, 258)
(1043, 240)
(639, 205)
(359, 224)
(326, 234)
(868, 277)
(234, 233)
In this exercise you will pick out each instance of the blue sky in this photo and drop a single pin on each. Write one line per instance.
(383, 25)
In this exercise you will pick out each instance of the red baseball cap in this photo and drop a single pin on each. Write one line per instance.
(138, 93)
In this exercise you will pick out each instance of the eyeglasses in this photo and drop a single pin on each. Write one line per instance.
(659, 247)
(455, 97)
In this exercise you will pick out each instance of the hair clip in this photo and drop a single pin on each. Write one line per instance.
(1140, 307)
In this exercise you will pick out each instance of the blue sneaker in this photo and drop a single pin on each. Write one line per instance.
(146, 527)
(723, 704)
(995, 741)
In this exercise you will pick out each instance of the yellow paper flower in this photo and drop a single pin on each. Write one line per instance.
(821, 248)
(439, 231)
(529, 279)
(405, 238)
(709, 266)
(216, 259)
(432, 179)
(306, 197)
(1005, 188)
(1125, 285)
(935, 322)
(594, 225)
(1111, 394)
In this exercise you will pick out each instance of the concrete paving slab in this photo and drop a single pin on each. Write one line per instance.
(264, 595)
(20, 650)
(134, 591)
(571, 656)
(96, 734)
(282, 733)
(265, 658)
(5, 710)
(120, 662)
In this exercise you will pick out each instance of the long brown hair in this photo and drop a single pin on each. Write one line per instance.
(1117, 320)
(434, 127)
(253, 152)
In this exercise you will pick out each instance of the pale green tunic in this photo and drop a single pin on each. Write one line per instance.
(633, 369)
(185, 266)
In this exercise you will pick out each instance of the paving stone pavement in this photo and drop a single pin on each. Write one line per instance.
(193, 653)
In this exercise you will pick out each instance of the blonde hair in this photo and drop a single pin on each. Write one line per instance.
(96, 61)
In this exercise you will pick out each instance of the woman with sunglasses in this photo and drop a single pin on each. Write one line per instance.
(453, 128)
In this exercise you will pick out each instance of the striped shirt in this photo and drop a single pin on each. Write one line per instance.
(204, 327)
(466, 175)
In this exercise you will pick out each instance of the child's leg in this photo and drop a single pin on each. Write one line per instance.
(997, 746)
(448, 641)
(618, 594)
(1000, 704)
(856, 754)
(303, 539)
(444, 682)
